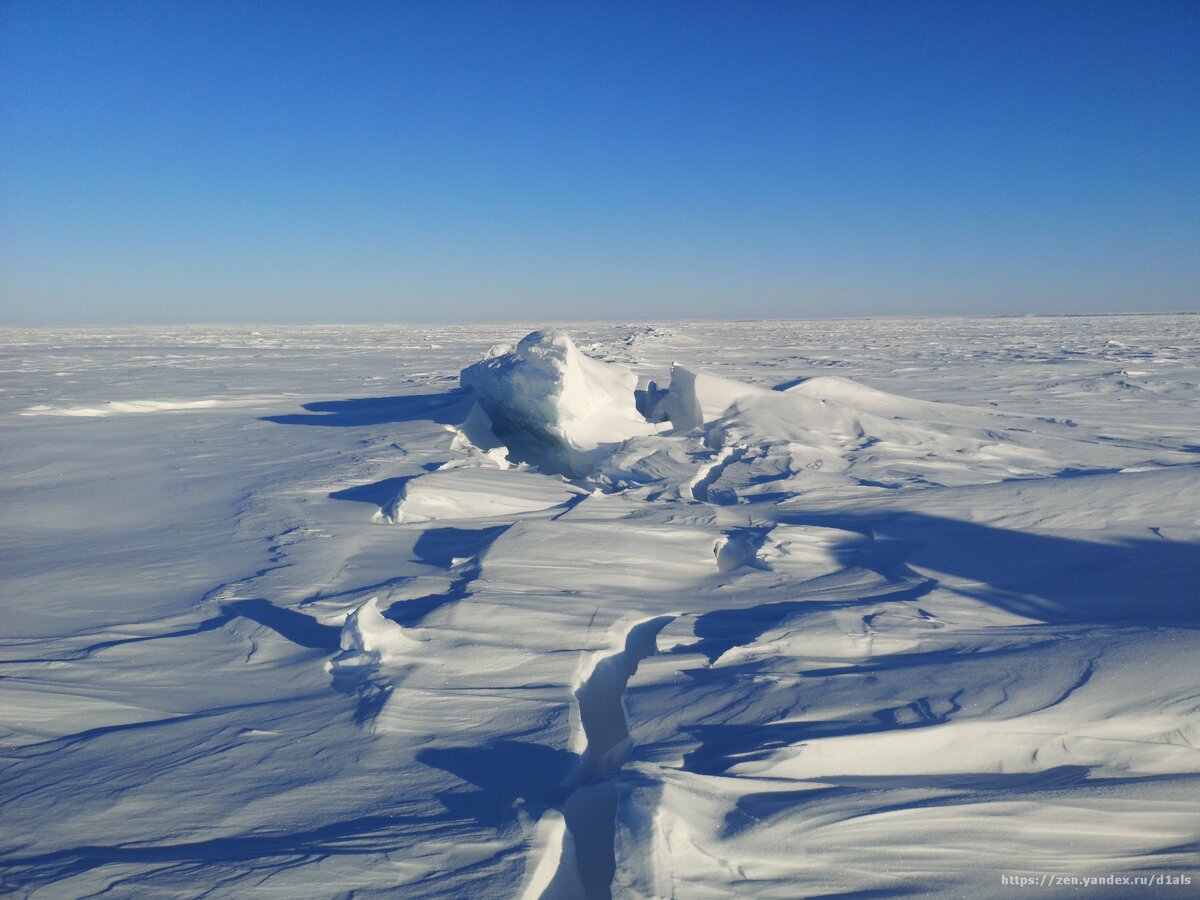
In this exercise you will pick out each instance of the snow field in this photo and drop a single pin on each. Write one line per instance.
(789, 634)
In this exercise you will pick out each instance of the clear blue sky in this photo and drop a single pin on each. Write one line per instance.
(421, 161)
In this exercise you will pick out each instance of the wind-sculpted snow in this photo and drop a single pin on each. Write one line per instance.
(470, 493)
(874, 608)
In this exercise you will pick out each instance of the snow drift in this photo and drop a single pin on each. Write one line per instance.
(476, 492)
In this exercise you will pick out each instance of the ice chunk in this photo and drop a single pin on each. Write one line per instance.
(476, 438)
(554, 406)
(696, 397)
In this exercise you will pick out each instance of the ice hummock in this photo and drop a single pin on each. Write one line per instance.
(555, 407)
(573, 415)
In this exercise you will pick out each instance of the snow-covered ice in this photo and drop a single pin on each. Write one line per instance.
(691, 609)
(553, 405)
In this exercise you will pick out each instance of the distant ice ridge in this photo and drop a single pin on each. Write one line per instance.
(554, 406)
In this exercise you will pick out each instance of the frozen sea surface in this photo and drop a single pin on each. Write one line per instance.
(280, 617)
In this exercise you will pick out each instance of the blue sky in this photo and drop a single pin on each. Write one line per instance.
(306, 161)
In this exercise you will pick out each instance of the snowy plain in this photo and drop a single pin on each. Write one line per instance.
(836, 608)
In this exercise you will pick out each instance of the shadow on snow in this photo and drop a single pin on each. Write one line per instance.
(445, 408)
(1052, 579)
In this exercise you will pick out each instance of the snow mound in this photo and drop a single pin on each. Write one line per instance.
(554, 406)
(732, 552)
(849, 393)
(480, 492)
(369, 639)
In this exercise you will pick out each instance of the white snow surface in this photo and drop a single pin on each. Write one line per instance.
(862, 607)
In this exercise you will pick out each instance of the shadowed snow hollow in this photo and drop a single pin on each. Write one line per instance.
(552, 405)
